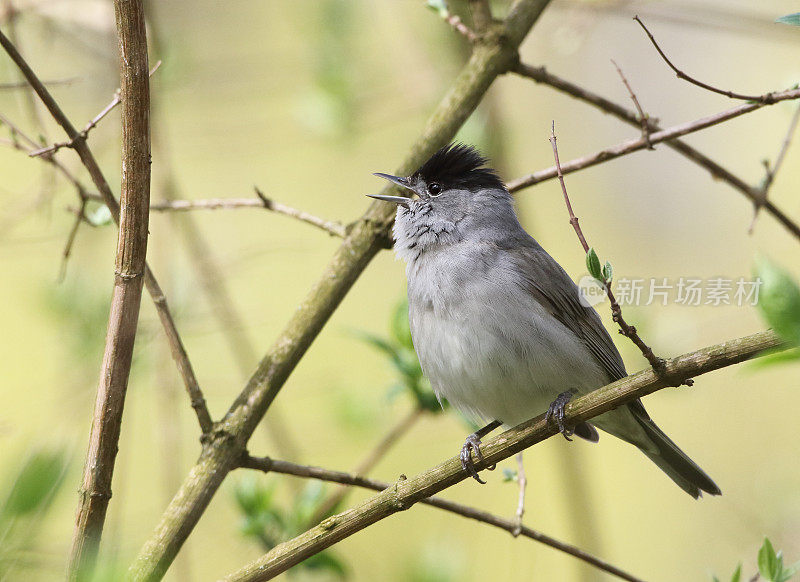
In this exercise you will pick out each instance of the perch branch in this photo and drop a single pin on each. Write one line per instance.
(406, 492)
(268, 465)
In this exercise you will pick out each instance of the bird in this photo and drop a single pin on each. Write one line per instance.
(497, 324)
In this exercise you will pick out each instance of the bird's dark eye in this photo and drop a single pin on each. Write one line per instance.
(434, 189)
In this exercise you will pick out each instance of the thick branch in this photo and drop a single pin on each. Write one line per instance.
(177, 348)
(492, 55)
(127, 295)
(635, 145)
(269, 465)
(406, 492)
(541, 75)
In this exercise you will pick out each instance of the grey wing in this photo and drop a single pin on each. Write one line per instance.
(556, 291)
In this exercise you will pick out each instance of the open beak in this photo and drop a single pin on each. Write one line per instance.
(402, 182)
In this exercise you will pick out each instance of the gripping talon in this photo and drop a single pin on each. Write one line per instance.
(556, 413)
(473, 443)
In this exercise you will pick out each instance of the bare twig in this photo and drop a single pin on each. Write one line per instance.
(154, 289)
(455, 21)
(331, 227)
(84, 133)
(522, 482)
(772, 169)
(127, 295)
(405, 492)
(766, 98)
(635, 145)
(26, 85)
(481, 15)
(643, 117)
(80, 216)
(628, 331)
(541, 75)
(366, 465)
(268, 465)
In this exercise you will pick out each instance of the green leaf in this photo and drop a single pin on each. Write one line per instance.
(593, 264)
(440, 6)
(608, 272)
(790, 19)
(737, 574)
(252, 496)
(767, 560)
(779, 300)
(326, 561)
(35, 484)
(509, 475)
(775, 358)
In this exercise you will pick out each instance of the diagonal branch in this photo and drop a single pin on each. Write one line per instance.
(634, 145)
(177, 348)
(127, 294)
(541, 75)
(407, 491)
(492, 55)
(268, 465)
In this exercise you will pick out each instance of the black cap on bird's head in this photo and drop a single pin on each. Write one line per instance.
(455, 166)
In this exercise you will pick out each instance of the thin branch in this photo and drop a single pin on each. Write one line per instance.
(84, 133)
(772, 170)
(766, 98)
(630, 146)
(481, 15)
(177, 348)
(126, 298)
(331, 227)
(268, 465)
(404, 493)
(26, 85)
(80, 217)
(522, 482)
(541, 75)
(455, 21)
(628, 331)
(643, 117)
(372, 458)
(492, 56)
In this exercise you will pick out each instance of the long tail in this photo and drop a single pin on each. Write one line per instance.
(670, 459)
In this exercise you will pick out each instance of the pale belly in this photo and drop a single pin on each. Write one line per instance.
(494, 359)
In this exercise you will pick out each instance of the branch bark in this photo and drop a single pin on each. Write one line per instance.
(493, 54)
(406, 492)
(514, 527)
(127, 294)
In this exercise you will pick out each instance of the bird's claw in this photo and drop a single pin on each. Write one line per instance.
(556, 413)
(473, 443)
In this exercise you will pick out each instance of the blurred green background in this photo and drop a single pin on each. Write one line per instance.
(306, 100)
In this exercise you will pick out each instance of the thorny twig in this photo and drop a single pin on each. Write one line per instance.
(643, 117)
(772, 169)
(628, 331)
(269, 465)
(767, 98)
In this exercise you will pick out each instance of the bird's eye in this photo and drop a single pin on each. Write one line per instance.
(434, 189)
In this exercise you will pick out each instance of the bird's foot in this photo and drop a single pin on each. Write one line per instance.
(556, 413)
(473, 443)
